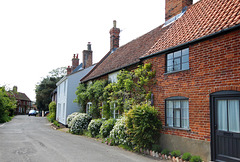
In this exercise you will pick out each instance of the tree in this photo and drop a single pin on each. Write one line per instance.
(58, 73)
(7, 105)
(46, 86)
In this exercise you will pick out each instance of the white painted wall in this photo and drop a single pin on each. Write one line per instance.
(61, 100)
(66, 104)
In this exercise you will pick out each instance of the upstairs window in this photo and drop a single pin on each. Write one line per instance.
(178, 60)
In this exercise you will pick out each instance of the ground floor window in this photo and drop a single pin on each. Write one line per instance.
(114, 111)
(88, 107)
(177, 112)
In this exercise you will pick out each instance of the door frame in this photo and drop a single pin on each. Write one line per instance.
(213, 96)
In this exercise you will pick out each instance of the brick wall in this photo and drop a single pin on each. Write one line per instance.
(214, 66)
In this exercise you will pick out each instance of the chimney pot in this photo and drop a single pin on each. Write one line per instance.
(114, 23)
(89, 46)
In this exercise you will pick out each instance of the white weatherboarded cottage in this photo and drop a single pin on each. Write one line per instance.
(67, 86)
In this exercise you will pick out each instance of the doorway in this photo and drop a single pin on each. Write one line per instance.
(225, 126)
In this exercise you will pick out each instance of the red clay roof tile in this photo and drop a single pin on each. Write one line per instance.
(201, 19)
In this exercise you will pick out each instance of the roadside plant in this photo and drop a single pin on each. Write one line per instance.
(106, 127)
(186, 156)
(80, 123)
(56, 123)
(7, 105)
(52, 112)
(156, 148)
(94, 127)
(195, 159)
(165, 152)
(70, 118)
(176, 153)
(119, 132)
(143, 126)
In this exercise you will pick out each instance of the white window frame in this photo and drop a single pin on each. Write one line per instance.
(113, 77)
(115, 113)
(88, 107)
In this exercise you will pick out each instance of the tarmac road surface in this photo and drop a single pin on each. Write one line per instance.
(31, 139)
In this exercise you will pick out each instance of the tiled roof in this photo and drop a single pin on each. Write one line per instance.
(127, 54)
(21, 96)
(201, 19)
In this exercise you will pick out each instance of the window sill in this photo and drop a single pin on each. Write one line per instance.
(186, 129)
(175, 72)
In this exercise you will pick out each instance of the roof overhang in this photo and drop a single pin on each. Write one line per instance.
(224, 31)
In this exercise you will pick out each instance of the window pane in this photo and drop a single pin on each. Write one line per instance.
(177, 104)
(233, 115)
(177, 54)
(169, 104)
(177, 61)
(222, 114)
(177, 67)
(177, 118)
(185, 58)
(184, 104)
(170, 56)
(185, 66)
(169, 68)
(185, 123)
(169, 62)
(170, 113)
(170, 122)
(185, 51)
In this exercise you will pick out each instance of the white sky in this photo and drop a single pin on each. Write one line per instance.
(37, 36)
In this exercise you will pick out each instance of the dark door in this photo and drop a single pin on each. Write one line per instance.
(226, 127)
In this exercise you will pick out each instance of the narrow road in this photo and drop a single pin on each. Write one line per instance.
(31, 139)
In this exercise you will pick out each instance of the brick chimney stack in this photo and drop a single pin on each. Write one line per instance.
(75, 61)
(69, 70)
(114, 36)
(87, 56)
(174, 7)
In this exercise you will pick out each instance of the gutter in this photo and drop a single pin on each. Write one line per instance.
(62, 80)
(193, 41)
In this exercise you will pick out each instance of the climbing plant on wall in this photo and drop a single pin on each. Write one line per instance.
(132, 88)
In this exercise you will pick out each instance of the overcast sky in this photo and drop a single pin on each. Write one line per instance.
(37, 36)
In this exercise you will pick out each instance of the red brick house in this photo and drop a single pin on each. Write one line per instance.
(23, 102)
(197, 62)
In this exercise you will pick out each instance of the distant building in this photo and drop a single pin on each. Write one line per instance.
(23, 102)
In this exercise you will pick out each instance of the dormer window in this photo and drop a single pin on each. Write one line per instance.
(178, 61)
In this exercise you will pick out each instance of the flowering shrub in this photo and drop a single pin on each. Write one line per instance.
(94, 127)
(70, 118)
(106, 127)
(80, 123)
(119, 132)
